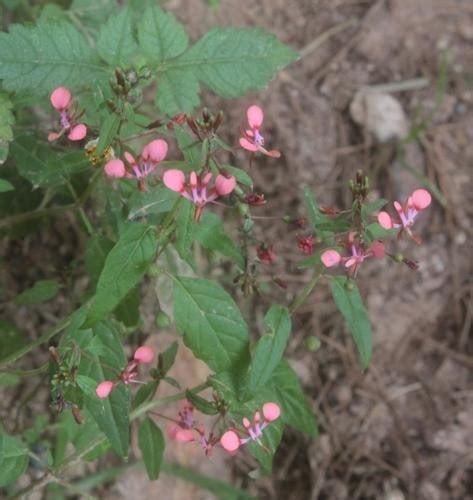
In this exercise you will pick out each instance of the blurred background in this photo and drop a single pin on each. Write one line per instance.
(385, 86)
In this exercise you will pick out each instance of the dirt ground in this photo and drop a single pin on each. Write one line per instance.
(403, 429)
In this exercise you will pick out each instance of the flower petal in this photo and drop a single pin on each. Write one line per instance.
(330, 258)
(115, 168)
(246, 144)
(174, 179)
(384, 220)
(377, 249)
(224, 185)
(104, 389)
(61, 98)
(421, 199)
(144, 354)
(230, 441)
(156, 150)
(255, 116)
(271, 411)
(78, 132)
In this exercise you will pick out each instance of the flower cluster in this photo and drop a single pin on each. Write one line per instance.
(61, 99)
(196, 189)
(143, 354)
(231, 441)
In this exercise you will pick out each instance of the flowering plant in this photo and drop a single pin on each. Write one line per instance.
(149, 184)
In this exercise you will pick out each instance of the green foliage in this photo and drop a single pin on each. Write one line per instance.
(6, 122)
(211, 323)
(41, 58)
(151, 443)
(156, 200)
(270, 347)
(13, 458)
(5, 186)
(41, 291)
(349, 302)
(201, 404)
(12, 339)
(124, 266)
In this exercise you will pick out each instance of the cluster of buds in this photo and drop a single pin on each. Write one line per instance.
(143, 354)
(186, 429)
(306, 244)
(357, 254)
(196, 189)
(231, 440)
(251, 138)
(140, 169)
(61, 99)
(266, 254)
(207, 126)
(419, 200)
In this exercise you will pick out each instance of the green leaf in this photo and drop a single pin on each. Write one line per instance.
(349, 302)
(211, 323)
(128, 310)
(315, 216)
(151, 443)
(13, 458)
(41, 291)
(270, 347)
(371, 208)
(5, 186)
(204, 406)
(375, 231)
(41, 165)
(154, 201)
(6, 121)
(96, 251)
(168, 357)
(112, 413)
(160, 36)
(210, 233)
(12, 339)
(232, 61)
(108, 131)
(241, 176)
(145, 392)
(185, 230)
(190, 147)
(271, 438)
(124, 267)
(177, 92)
(39, 59)
(115, 43)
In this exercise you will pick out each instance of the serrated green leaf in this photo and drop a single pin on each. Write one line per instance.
(211, 323)
(13, 458)
(154, 201)
(96, 251)
(270, 347)
(160, 36)
(151, 443)
(41, 291)
(124, 267)
(128, 310)
(5, 186)
(112, 413)
(232, 61)
(349, 303)
(210, 233)
(115, 43)
(43, 166)
(41, 58)
(177, 92)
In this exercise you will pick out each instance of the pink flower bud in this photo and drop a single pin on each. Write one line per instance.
(377, 249)
(155, 150)
(384, 220)
(330, 258)
(129, 158)
(174, 180)
(421, 199)
(61, 98)
(230, 441)
(271, 411)
(115, 168)
(144, 354)
(224, 185)
(52, 136)
(255, 116)
(78, 132)
(104, 389)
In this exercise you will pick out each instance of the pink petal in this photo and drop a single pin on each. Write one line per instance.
(52, 136)
(230, 441)
(421, 198)
(184, 435)
(273, 153)
(384, 220)
(61, 98)
(174, 179)
(271, 411)
(144, 354)
(78, 132)
(246, 144)
(115, 168)
(350, 262)
(104, 389)
(255, 116)
(224, 185)
(129, 158)
(330, 258)
(156, 150)
(377, 249)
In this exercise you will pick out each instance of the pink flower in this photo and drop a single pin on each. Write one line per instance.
(266, 254)
(306, 244)
(358, 254)
(61, 99)
(196, 189)
(419, 200)
(251, 139)
(151, 155)
(231, 441)
(144, 354)
(104, 388)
